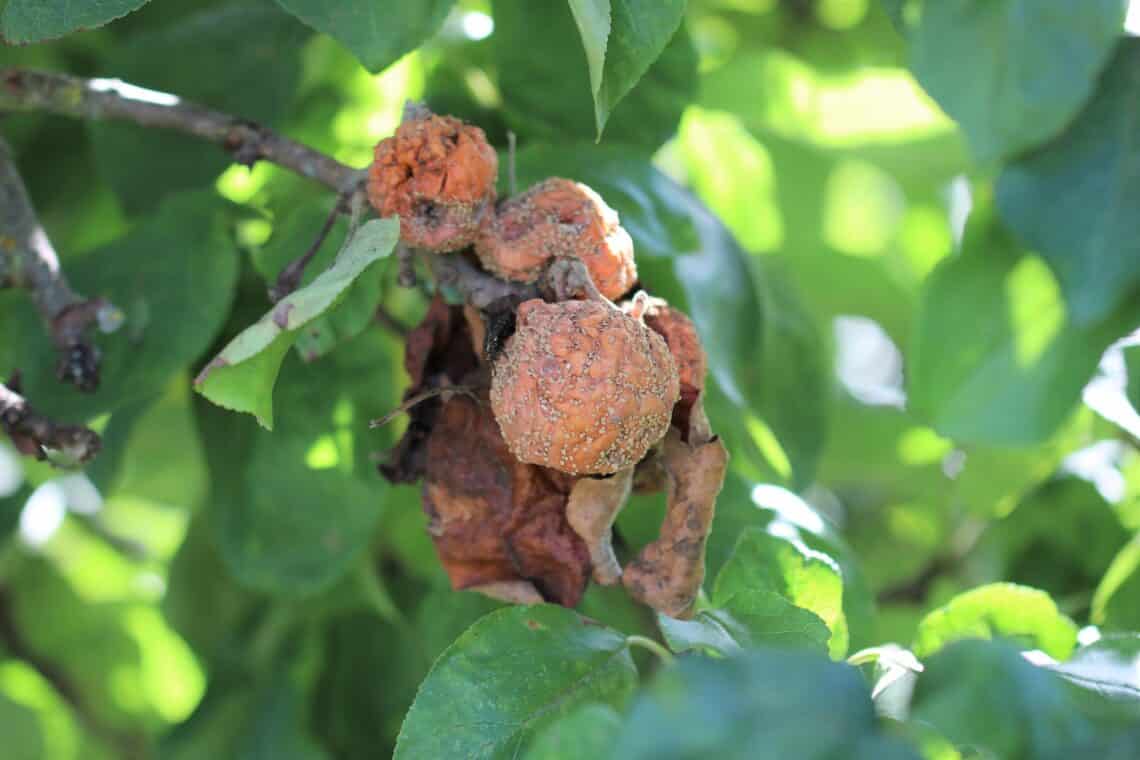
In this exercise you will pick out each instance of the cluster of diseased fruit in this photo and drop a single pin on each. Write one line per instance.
(541, 435)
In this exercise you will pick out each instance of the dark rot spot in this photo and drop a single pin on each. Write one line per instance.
(216, 362)
(281, 314)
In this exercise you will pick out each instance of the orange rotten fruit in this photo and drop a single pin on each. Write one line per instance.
(684, 343)
(438, 175)
(555, 218)
(582, 387)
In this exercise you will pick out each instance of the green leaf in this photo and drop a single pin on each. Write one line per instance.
(266, 718)
(20, 727)
(24, 21)
(708, 630)
(242, 376)
(1072, 200)
(985, 695)
(797, 373)
(356, 309)
(1108, 667)
(122, 659)
(999, 610)
(622, 38)
(242, 59)
(377, 33)
(1005, 85)
(588, 731)
(894, 9)
(1132, 363)
(511, 674)
(538, 50)
(204, 603)
(1060, 538)
(299, 528)
(789, 569)
(363, 690)
(173, 277)
(593, 20)
(748, 618)
(293, 510)
(783, 514)
(767, 704)
(1116, 603)
(995, 358)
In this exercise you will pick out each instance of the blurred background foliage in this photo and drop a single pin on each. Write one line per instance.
(211, 589)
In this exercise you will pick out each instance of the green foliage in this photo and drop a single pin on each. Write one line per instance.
(588, 731)
(23, 21)
(621, 40)
(242, 376)
(1004, 84)
(997, 357)
(1093, 164)
(767, 703)
(1115, 604)
(986, 696)
(538, 52)
(998, 610)
(808, 579)
(533, 664)
(257, 79)
(376, 33)
(173, 278)
(903, 230)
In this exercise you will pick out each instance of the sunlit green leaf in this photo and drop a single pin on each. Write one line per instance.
(746, 619)
(1003, 610)
(1116, 604)
(785, 515)
(242, 376)
(995, 357)
(291, 239)
(762, 562)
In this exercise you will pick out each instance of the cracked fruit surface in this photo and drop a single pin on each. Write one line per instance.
(438, 175)
(582, 387)
(558, 218)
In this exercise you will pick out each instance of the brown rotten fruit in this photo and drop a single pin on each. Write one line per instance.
(438, 175)
(680, 335)
(558, 218)
(582, 387)
(499, 525)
